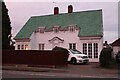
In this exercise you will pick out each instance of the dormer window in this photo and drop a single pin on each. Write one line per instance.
(36, 31)
(41, 29)
(56, 29)
(71, 28)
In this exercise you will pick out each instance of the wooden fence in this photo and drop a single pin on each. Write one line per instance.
(34, 57)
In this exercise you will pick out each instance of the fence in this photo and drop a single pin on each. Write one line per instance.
(34, 57)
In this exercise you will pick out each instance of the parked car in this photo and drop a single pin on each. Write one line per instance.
(76, 56)
(118, 57)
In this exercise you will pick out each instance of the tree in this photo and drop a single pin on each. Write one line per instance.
(6, 28)
(105, 57)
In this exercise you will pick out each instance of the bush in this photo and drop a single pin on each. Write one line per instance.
(105, 57)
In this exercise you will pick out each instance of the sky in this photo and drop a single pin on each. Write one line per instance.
(20, 12)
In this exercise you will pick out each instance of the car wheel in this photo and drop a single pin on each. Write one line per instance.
(73, 61)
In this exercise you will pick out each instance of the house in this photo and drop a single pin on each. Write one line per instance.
(116, 46)
(73, 30)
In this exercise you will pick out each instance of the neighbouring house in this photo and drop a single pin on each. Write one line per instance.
(116, 46)
(73, 30)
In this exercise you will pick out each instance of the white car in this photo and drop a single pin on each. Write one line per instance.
(76, 56)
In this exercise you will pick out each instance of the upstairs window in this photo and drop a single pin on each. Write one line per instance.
(56, 30)
(41, 30)
(36, 31)
(71, 29)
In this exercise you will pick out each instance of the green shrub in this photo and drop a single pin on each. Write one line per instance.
(105, 57)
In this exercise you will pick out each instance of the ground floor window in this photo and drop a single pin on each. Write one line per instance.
(72, 45)
(22, 47)
(41, 46)
(90, 49)
(18, 47)
(95, 50)
(26, 47)
(84, 48)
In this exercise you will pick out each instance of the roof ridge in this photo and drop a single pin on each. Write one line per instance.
(68, 13)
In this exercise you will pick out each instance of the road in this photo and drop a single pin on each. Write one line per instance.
(74, 71)
(25, 74)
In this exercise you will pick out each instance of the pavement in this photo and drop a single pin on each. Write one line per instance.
(33, 69)
(91, 69)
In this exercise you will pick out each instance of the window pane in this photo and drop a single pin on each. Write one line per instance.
(42, 46)
(41, 30)
(56, 30)
(39, 46)
(95, 50)
(74, 46)
(70, 46)
(84, 48)
(90, 50)
(26, 47)
(22, 47)
(18, 47)
(71, 28)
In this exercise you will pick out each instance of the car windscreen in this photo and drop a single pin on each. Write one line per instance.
(75, 51)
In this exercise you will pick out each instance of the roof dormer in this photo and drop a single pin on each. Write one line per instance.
(56, 28)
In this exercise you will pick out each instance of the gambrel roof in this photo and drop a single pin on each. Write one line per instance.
(89, 22)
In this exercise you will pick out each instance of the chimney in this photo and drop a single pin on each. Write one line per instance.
(70, 9)
(56, 10)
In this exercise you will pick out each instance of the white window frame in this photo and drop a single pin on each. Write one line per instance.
(22, 47)
(18, 47)
(41, 46)
(95, 45)
(92, 52)
(26, 46)
(56, 29)
(72, 45)
(41, 29)
(85, 48)
(71, 28)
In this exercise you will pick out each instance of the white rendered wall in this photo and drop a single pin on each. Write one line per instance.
(67, 36)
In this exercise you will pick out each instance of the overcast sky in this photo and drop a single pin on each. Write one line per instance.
(20, 12)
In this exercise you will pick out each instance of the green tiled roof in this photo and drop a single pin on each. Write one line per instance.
(90, 23)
